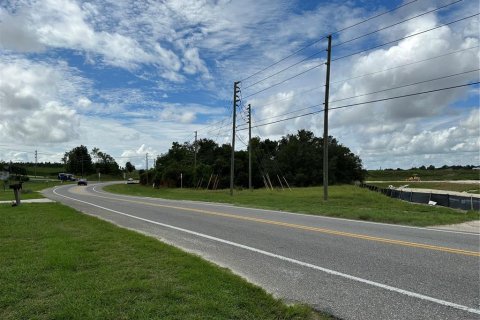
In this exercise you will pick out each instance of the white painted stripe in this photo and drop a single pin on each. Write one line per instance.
(216, 204)
(301, 263)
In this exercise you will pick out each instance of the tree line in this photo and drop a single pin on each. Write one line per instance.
(81, 162)
(296, 159)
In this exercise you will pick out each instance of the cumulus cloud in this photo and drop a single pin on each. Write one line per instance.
(65, 24)
(29, 102)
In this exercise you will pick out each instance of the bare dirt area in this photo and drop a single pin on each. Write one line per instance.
(470, 226)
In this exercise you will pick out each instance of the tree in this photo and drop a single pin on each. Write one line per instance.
(129, 167)
(297, 157)
(104, 162)
(78, 161)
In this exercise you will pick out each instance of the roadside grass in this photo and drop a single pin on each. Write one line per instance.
(437, 174)
(458, 187)
(345, 201)
(60, 264)
(29, 191)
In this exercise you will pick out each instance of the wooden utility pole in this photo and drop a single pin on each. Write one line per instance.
(325, 121)
(36, 154)
(236, 90)
(195, 161)
(146, 166)
(250, 147)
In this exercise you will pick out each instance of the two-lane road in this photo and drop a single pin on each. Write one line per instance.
(351, 269)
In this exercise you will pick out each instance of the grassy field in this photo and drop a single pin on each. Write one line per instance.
(44, 171)
(344, 201)
(60, 264)
(30, 189)
(458, 187)
(425, 175)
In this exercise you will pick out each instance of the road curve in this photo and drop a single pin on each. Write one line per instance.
(350, 269)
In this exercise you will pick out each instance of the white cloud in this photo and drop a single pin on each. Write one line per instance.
(29, 102)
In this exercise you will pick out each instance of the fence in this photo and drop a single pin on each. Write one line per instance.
(444, 200)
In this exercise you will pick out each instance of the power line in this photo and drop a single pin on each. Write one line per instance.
(284, 69)
(324, 37)
(366, 102)
(406, 37)
(404, 65)
(404, 86)
(396, 24)
(366, 94)
(353, 39)
(369, 74)
(278, 83)
(286, 113)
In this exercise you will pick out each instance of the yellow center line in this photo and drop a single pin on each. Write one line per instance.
(302, 227)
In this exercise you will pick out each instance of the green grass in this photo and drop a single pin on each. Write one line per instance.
(437, 174)
(59, 264)
(344, 202)
(29, 191)
(44, 171)
(458, 187)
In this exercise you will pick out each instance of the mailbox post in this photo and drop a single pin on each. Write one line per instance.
(16, 191)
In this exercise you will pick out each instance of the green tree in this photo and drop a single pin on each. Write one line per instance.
(104, 162)
(78, 161)
(129, 167)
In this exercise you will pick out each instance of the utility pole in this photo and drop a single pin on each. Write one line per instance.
(36, 163)
(325, 121)
(195, 161)
(146, 166)
(250, 147)
(236, 90)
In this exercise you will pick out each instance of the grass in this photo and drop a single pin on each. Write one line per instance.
(437, 174)
(59, 264)
(29, 191)
(458, 187)
(344, 202)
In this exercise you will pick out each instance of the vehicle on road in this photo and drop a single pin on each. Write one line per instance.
(66, 177)
(131, 181)
(82, 182)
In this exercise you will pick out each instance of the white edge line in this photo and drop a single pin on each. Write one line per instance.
(218, 204)
(298, 262)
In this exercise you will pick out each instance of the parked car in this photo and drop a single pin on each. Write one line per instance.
(130, 181)
(82, 182)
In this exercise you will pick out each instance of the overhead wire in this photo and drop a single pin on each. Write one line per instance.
(366, 94)
(284, 69)
(365, 102)
(324, 37)
(350, 40)
(367, 74)
(404, 86)
(290, 78)
(405, 37)
(403, 65)
(395, 24)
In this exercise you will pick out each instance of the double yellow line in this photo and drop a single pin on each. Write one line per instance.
(302, 227)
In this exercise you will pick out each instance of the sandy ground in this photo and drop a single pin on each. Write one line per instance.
(471, 226)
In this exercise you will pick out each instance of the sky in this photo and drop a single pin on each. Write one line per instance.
(131, 77)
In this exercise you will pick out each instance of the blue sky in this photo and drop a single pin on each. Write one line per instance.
(131, 77)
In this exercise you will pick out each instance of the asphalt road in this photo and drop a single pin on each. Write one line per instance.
(350, 269)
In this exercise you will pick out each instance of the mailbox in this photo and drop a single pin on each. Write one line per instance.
(16, 187)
